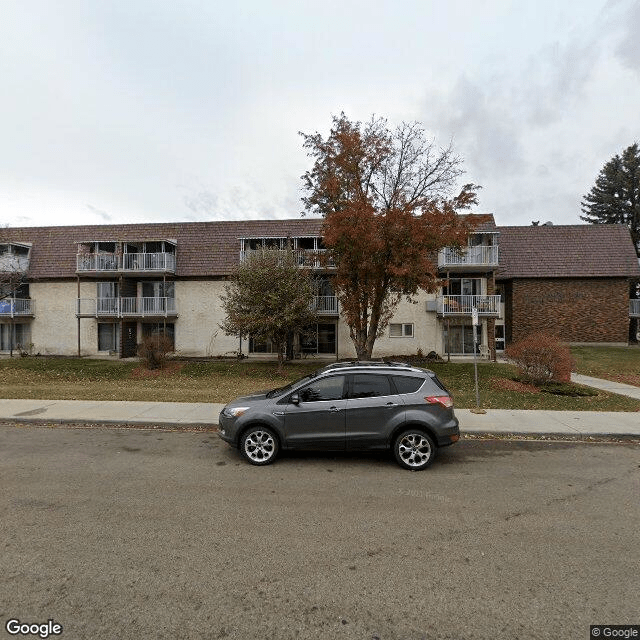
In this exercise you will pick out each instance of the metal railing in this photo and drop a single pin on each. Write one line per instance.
(14, 264)
(634, 308)
(149, 262)
(126, 307)
(481, 255)
(463, 305)
(12, 307)
(127, 262)
(311, 258)
(325, 305)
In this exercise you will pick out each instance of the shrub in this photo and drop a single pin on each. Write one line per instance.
(541, 358)
(154, 349)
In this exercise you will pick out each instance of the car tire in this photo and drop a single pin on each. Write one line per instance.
(414, 449)
(259, 445)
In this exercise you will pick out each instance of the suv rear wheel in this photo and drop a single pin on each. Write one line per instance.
(259, 445)
(414, 449)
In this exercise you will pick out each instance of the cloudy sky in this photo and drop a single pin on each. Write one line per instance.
(141, 110)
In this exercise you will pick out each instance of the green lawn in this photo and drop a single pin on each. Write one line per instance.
(620, 364)
(221, 381)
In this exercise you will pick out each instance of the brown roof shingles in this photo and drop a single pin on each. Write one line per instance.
(566, 251)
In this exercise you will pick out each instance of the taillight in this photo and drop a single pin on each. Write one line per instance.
(445, 401)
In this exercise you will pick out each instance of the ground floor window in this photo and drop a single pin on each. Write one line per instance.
(398, 330)
(17, 336)
(261, 345)
(458, 339)
(108, 336)
(320, 338)
(150, 329)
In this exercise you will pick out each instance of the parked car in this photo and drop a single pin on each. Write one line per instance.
(353, 406)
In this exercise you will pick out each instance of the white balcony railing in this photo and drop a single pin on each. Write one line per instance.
(326, 305)
(126, 307)
(149, 262)
(10, 263)
(97, 262)
(478, 256)
(12, 307)
(312, 258)
(464, 305)
(634, 308)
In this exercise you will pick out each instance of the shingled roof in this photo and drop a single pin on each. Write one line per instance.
(204, 249)
(571, 251)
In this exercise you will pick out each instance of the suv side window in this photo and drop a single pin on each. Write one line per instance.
(407, 384)
(330, 388)
(370, 385)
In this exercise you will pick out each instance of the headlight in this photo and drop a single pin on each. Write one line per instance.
(234, 412)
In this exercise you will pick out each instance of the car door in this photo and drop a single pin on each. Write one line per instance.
(373, 410)
(317, 420)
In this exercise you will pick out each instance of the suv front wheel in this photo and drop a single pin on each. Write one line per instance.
(414, 449)
(259, 445)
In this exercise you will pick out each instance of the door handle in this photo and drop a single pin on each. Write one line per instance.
(335, 409)
(392, 404)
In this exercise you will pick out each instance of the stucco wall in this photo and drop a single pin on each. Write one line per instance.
(54, 329)
(199, 313)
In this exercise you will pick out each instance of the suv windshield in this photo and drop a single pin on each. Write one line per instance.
(276, 392)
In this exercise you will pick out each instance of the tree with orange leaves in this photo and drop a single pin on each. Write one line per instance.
(386, 198)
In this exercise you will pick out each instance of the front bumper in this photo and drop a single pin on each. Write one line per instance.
(225, 430)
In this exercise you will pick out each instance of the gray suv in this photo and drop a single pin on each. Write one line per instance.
(352, 406)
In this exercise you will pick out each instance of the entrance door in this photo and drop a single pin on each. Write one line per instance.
(129, 339)
(499, 337)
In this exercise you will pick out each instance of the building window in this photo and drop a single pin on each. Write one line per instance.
(463, 287)
(401, 330)
(108, 336)
(17, 336)
(151, 329)
(319, 338)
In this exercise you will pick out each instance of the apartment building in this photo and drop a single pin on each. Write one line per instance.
(97, 290)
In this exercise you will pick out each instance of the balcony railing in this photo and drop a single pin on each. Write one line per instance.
(12, 307)
(326, 305)
(634, 308)
(478, 256)
(126, 307)
(464, 305)
(138, 262)
(13, 264)
(149, 262)
(311, 258)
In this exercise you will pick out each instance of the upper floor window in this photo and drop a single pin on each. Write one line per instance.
(463, 287)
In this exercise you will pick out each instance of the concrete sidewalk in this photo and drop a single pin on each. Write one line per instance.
(502, 421)
(607, 385)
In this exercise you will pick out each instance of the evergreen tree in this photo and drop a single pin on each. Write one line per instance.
(615, 197)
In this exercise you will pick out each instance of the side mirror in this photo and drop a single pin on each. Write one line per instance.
(295, 398)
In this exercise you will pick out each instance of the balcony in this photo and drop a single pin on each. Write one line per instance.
(634, 308)
(309, 258)
(487, 306)
(16, 307)
(325, 305)
(478, 258)
(126, 307)
(128, 263)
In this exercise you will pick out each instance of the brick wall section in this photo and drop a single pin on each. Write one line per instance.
(575, 309)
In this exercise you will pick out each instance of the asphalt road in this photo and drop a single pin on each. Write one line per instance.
(147, 534)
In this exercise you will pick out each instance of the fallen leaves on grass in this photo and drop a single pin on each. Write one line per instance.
(169, 369)
(505, 384)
